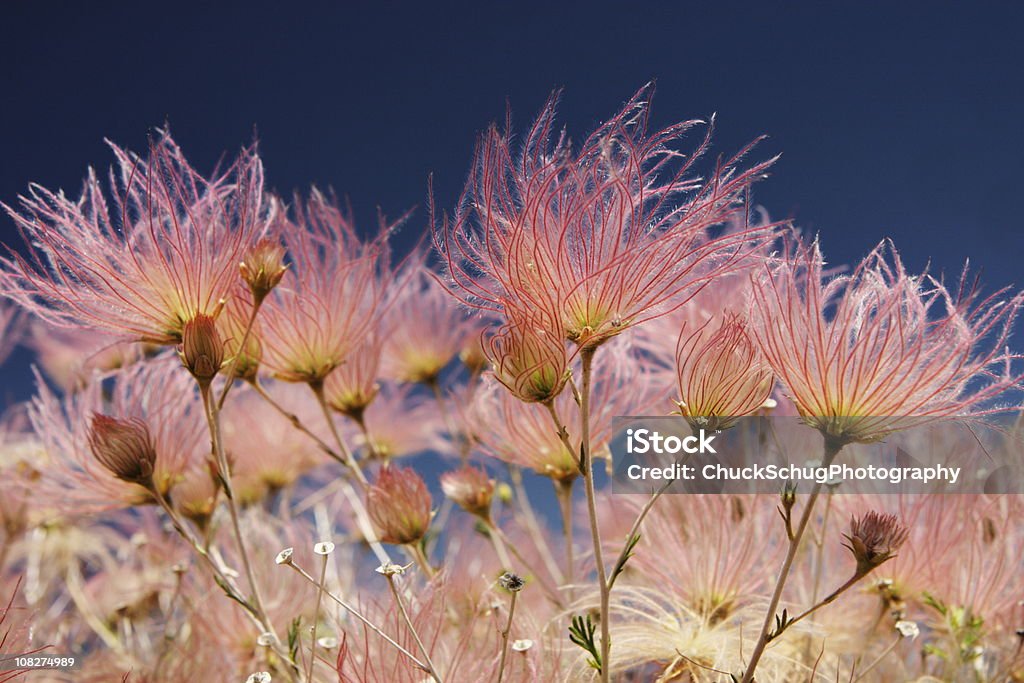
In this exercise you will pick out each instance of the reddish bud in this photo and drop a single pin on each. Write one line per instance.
(202, 350)
(470, 488)
(262, 267)
(124, 447)
(399, 505)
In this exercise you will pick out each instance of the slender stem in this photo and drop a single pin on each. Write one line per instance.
(346, 455)
(362, 517)
(233, 368)
(316, 618)
(532, 526)
(634, 530)
(412, 629)
(358, 615)
(826, 601)
(878, 659)
(504, 637)
(224, 472)
(832, 448)
(225, 582)
(416, 550)
(498, 541)
(587, 360)
(563, 492)
(73, 585)
(294, 419)
(819, 542)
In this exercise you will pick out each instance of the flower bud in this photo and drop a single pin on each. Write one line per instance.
(470, 488)
(874, 539)
(399, 505)
(722, 375)
(125, 448)
(202, 350)
(529, 360)
(262, 268)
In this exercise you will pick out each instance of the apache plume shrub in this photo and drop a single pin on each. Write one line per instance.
(176, 504)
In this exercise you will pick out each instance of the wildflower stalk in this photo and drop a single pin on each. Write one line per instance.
(532, 526)
(224, 582)
(832, 448)
(412, 629)
(500, 547)
(563, 492)
(224, 473)
(294, 419)
(316, 616)
(358, 615)
(634, 533)
(878, 660)
(420, 557)
(587, 467)
(233, 367)
(345, 458)
(504, 636)
(346, 455)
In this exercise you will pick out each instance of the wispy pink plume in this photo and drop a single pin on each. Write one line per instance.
(142, 260)
(878, 349)
(600, 236)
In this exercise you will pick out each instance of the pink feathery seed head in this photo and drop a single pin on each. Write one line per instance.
(425, 328)
(874, 539)
(399, 505)
(202, 350)
(124, 447)
(529, 358)
(231, 328)
(262, 267)
(352, 387)
(604, 236)
(878, 350)
(162, 249)
(470, 488)
(421, 429)
(721, 372)
(70, 356)
(332, 296)
(76, 479)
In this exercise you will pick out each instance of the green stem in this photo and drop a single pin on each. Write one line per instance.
(832, 448)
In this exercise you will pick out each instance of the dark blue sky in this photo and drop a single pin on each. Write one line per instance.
(894, 119)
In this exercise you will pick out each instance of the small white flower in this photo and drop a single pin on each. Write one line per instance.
(770, 403)
(391, 569)
(522, 645)
(327, 642)
(265, 639)
(908, 629)
(285, 556)
(259, 677)
(323, 548)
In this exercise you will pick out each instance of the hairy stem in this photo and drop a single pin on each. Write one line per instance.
(832, 448)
